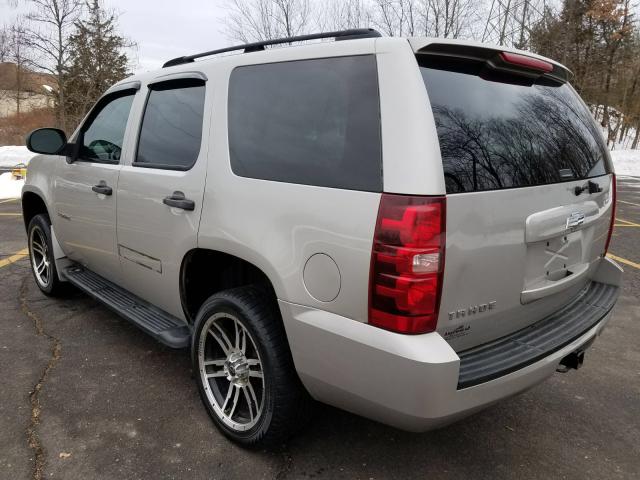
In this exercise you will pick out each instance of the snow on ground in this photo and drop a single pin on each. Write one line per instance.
(9, 187)
(614, 118)
(626, 162)
(12, 155)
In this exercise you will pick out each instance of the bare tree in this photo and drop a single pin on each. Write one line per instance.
(253, 20)
(448, 18)
(509, 22)
(17, 54)
(433, 18)
(258, 20)
(5, 34)
(343, 15)
(396, 17)
(4, 44)
(5, 50)
(50, 25)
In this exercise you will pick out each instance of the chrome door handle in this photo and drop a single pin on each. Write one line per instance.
(178, 200)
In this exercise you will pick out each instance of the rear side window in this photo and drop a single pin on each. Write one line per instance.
(500, 131)
(312, 122)
(171, 130)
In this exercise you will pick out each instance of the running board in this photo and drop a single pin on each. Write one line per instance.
(164, 327)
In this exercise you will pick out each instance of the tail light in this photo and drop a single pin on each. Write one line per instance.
(407, 263)
(613, 211)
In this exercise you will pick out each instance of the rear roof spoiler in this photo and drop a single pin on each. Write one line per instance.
(494, 57)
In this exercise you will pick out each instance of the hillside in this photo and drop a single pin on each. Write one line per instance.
(31, 81)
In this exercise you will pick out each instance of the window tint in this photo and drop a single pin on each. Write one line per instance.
(171, 130)
(504, 132)
(314, 122)
(104, 135)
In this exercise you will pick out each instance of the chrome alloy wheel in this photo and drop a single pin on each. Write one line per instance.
(40, 256)
(231, 371)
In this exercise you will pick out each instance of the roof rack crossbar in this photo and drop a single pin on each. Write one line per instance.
(258, 46)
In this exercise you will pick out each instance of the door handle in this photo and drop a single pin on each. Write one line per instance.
(177, 200)
(102, 188)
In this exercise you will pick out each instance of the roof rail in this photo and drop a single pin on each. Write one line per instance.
(352, 34)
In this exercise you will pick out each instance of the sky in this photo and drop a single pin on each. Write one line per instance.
(162, 29)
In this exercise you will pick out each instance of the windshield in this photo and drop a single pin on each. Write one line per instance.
(498, 131)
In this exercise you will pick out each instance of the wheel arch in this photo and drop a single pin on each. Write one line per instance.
(33, 204)
(231, 271)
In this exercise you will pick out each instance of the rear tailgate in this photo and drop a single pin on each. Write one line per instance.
(529, 191)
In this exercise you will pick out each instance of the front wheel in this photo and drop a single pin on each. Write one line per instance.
(43, 264)
(244, 369)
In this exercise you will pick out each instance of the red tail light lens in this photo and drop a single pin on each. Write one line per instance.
(613, 211)
(407, 263)
(527, 62)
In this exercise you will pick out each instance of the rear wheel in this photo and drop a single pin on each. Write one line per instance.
(43, 264)
(244, 369)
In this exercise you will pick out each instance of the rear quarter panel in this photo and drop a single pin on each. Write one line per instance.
(278, 226)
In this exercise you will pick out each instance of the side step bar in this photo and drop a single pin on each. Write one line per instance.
(164, 327)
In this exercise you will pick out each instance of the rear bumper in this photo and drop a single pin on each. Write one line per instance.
(407, 381)
(539, 340)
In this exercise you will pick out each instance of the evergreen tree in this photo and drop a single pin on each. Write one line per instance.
(98, 60)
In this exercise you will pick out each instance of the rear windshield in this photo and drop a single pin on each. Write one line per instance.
(498, 131)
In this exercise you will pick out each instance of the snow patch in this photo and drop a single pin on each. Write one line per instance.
(626, 162)
(9, 186)
(615, 117)
(12, 155)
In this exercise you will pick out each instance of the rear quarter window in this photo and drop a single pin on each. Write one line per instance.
(498, 131)
(312, 122)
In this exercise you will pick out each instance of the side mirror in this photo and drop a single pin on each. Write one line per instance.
(50, 141)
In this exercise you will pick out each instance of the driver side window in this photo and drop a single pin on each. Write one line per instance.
(103, 134)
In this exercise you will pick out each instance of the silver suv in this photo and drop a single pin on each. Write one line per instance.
(285, 213)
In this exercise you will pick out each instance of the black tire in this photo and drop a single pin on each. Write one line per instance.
(40, 226)
(286, 405)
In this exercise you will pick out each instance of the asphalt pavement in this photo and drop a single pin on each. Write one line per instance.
(85, 395)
